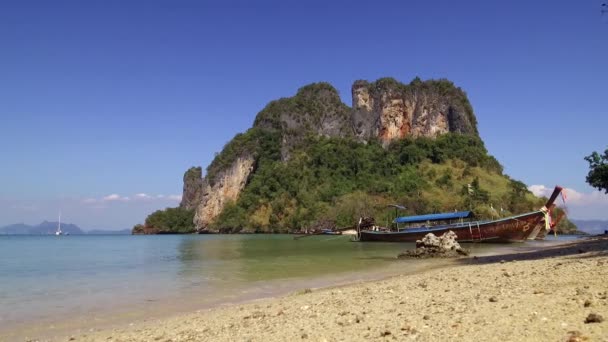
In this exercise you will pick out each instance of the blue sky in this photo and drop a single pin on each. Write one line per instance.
(103, 100)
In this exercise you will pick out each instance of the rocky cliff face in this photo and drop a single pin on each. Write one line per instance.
(193, 188)
(389, 110)
(385, 110)
(227, 186)
(316, 109)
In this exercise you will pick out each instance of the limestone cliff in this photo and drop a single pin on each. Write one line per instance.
(316, 109)
(227, 186)
(389, 110)
(386, 110)
(193, 188)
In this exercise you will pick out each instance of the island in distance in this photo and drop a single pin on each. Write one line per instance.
(49, 228)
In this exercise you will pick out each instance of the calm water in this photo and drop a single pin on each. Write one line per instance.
(47, 280)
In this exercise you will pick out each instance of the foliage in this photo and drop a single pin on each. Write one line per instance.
(598, 173)
(308, 108)
(171, 220)
(261, 144)
(340, 179)
(301, 176)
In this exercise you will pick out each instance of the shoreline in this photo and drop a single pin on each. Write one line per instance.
(400, 306)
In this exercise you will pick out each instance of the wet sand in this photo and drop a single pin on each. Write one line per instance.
(545, 294)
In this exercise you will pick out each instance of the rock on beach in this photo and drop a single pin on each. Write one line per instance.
(432, 246)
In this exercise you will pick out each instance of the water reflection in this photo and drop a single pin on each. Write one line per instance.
(223, 260)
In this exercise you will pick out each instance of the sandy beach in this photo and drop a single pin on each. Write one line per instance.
(557, 293)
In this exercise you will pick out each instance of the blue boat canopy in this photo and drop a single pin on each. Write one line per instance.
(434, 217)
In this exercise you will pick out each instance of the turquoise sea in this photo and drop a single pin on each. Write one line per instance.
(57, 283)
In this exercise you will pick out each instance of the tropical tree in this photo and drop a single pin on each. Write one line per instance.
(598, 173)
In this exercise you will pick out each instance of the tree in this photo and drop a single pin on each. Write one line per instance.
(598, 173)
(171, 220)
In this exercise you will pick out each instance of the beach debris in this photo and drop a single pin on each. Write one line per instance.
(576, 336)
(594, 318)
(304, 291)
(255, 315)
(432, 246)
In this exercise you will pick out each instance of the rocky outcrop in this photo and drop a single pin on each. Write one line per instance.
(385, 110)
(140, 229)
(316, 109)
(432, 246)
(390, 110)
(226, 188)
(193, 188)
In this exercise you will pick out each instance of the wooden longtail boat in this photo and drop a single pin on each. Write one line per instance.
(542, 229)
(516, 228)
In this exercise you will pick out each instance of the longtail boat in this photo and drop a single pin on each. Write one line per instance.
(516, 228)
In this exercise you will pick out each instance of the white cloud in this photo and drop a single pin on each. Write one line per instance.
(142, 196)
(88, 212)
(175, 197)
(591, 205)
(114, 197)
(572, 196)
(540, 190)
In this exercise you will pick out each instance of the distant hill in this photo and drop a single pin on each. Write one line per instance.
(591, 226)
(44, 228)
(49, 228)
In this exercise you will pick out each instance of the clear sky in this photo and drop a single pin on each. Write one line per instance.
(105, 104)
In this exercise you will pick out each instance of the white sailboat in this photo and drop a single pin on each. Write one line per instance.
(58, 231)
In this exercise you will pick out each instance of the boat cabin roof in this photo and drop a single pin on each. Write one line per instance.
(434, 217)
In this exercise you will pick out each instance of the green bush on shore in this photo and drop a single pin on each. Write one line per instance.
(171, 220)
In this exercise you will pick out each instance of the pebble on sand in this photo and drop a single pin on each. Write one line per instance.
(594, 318)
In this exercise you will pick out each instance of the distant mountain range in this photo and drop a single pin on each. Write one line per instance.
(591, 226)
(49, 228)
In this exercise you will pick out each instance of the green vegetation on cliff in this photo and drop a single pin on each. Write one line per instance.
(260, 143)
(314, 158)
(308, 109)
(340, 179)
(170, 220)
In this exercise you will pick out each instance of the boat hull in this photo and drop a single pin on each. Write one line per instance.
(542, 234)
(510, 229)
